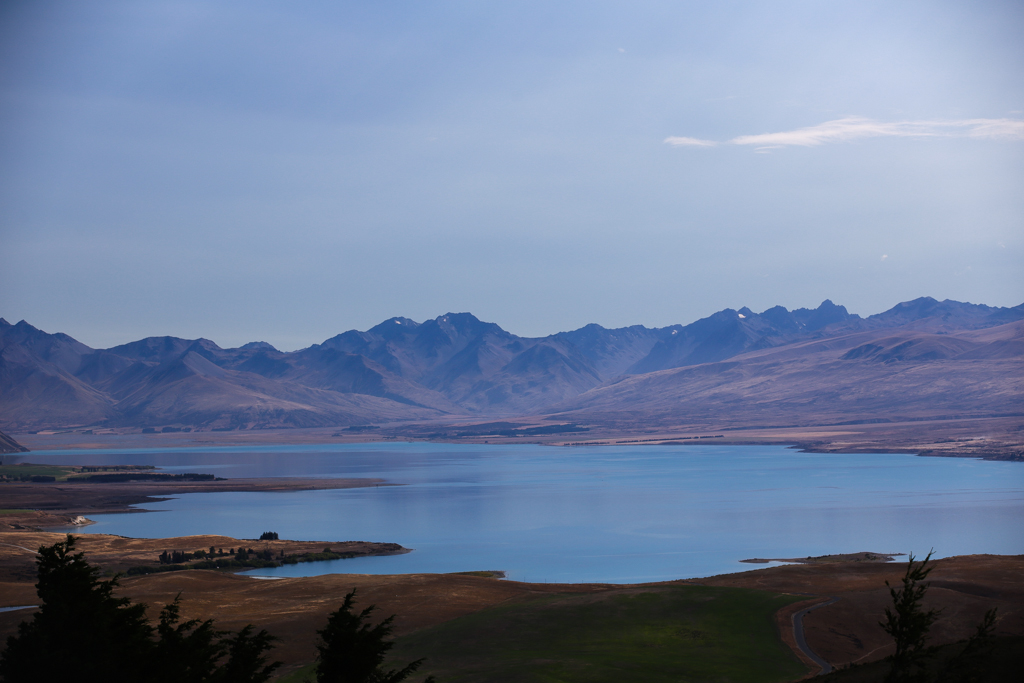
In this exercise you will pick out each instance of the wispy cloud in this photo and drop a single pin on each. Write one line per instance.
(1006, 129)
(855, 128)
(676, 141)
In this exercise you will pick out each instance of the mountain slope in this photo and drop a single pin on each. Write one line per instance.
(191, 390)
(9, 445)
(612, 352)
(349, 373)
(58, 349)
(874, 375)
(35, 393)
(729, 333)
(920, 358)
(543, 374)
(172, 381)
(926, 313)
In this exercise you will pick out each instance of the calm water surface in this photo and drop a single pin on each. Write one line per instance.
(610, 514)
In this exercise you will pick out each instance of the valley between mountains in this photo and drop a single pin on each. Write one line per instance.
(923, 361)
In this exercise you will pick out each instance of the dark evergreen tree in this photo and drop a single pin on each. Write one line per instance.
(247, 662)
(81, 629)
(352, 651)
(83, 633)
(186, 652)
(908, 622)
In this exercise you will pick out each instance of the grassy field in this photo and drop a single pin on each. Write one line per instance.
(665, 633)
(660, 633)
(29, 470)
(64, 472)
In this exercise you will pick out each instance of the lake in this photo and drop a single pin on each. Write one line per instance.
(617, 514)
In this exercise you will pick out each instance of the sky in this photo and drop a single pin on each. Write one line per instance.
(285, 171)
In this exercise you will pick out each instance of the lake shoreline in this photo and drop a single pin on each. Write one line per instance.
(825, 559)
(988, 438)
(142, 556)
(618, 515)
(40, 505)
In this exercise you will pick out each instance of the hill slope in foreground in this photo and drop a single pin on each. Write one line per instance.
(735, 626)
(921, 362)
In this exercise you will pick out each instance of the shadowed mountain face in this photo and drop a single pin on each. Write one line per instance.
(9, 445)
(35, 391)
(729, 333)
(768, 364)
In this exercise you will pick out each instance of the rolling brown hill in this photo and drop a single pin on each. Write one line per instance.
(876, 375)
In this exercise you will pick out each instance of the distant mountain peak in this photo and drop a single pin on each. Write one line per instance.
(393, 328)
(408, 322)
(464, 325)
(460, 319)
(258, 345)
(205, 344)
(926, 312)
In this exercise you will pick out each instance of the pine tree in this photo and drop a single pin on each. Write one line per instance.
(352, 651)
(247, 662)
(80, 626)
(907, 622)
(186, 652)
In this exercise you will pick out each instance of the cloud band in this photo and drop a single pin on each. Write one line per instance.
(689, 142)
(855, 127)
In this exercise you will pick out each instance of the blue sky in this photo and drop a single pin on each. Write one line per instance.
(286, 171)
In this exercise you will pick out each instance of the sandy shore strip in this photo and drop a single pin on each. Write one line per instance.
(31, 505)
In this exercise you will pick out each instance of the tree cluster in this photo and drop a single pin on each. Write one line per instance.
(246, 554)
(82, 632)
(177, 557)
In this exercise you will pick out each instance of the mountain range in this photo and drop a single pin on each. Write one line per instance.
(922, 357)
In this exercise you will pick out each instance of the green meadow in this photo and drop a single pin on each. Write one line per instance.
(678, 633)
(664, 633)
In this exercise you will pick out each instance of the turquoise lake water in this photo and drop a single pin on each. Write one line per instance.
(608, 514)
